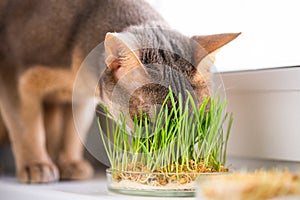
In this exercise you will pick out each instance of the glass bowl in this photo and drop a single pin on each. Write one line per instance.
(162, 184)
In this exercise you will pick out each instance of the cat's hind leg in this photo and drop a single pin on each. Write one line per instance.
(3, 131)
(71, 162)
(53, 121)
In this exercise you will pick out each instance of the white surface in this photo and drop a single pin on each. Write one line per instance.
(266, 111)
(10, 189)
(270, 35)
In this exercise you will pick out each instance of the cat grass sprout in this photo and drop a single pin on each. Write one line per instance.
(182, 142)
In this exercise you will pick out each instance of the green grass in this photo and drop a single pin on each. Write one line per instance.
(181, 138)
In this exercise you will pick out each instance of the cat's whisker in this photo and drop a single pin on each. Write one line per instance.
(230, 88)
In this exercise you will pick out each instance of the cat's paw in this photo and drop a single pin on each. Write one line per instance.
(38, 173)
(76, 170)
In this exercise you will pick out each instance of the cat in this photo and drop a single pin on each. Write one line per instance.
(43, 44)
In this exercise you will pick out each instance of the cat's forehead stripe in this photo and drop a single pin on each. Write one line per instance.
(166, 58)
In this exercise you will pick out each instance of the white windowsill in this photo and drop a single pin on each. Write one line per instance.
(265, 105)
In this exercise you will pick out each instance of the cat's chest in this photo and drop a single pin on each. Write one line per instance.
(47, 84)
(61, 95)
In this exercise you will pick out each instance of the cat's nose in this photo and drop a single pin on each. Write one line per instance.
(144, 108)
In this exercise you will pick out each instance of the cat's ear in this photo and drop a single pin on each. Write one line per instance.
(209, 44)
(120, 57)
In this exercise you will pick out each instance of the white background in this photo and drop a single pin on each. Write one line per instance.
(270, 33)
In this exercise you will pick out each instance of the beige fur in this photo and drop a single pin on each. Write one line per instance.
(33, 162)
(3, 133)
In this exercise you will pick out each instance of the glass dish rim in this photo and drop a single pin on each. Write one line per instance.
(109, 170)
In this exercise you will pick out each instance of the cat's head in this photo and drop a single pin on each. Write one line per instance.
(143, 63)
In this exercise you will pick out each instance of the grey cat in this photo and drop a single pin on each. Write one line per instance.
(43, 44)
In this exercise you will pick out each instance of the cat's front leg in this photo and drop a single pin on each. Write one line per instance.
(27, 131)
(25, 126)
(71, 162)
(33, 162)
(54, 124)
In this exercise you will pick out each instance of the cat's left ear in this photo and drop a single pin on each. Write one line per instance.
(209, 44)
(120, 56)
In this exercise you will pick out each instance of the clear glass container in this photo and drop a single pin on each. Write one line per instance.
(183, 184)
